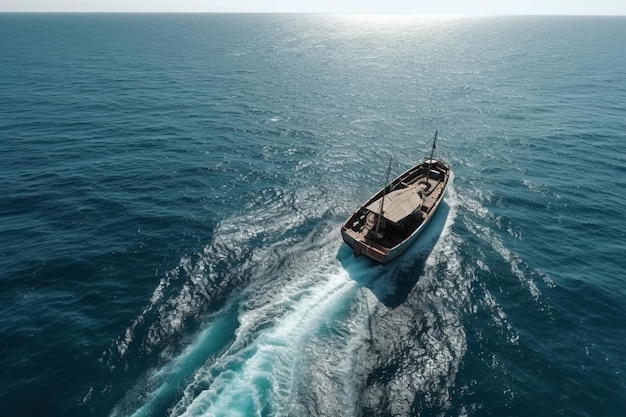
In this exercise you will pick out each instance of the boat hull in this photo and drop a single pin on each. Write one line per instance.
(385, 252)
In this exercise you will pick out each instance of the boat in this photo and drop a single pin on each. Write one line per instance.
(392, 219)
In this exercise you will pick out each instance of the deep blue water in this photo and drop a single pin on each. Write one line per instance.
(172, 188)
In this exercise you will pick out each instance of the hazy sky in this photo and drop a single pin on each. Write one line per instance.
(490, 7)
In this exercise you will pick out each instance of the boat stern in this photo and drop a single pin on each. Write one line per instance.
(360, 247)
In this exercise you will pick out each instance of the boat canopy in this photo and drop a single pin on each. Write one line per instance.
(399, 204)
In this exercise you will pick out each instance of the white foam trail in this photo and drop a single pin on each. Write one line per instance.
(258, 370)
(257, 367)
(160, 384)
(349, 367)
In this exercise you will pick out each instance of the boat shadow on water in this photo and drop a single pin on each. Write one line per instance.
(392, 283)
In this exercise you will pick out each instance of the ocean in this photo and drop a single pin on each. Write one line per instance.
(172, 188)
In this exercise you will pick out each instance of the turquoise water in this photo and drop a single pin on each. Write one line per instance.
(173, 187)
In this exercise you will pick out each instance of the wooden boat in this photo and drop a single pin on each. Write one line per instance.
(407, 204)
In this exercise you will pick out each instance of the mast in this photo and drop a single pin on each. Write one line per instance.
(382, 200)
(432, 152)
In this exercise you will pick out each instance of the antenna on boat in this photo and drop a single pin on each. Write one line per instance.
(382, 200)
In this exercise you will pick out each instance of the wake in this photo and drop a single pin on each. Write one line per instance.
(295, 336)
(254, 377)
(245, 362)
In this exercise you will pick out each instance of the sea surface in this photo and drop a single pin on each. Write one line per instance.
(172, 188)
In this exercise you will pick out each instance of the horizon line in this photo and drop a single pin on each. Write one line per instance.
(307, 12)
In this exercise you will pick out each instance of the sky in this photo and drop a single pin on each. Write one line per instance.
(456, 7)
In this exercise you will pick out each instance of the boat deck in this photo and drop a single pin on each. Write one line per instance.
(366, 224)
